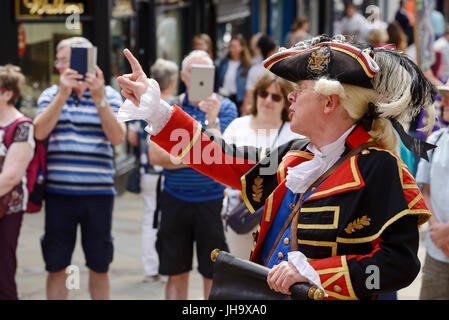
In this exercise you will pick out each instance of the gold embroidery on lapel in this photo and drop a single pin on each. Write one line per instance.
(244, 195)
(357, 182)
(257, 189)
(357, 224)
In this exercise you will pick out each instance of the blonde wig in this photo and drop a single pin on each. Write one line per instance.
(355, 101)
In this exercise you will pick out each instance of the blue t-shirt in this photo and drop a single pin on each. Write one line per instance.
(188, 184)
(79, 156)
(435, 173)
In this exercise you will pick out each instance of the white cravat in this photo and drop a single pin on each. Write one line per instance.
(300, 177)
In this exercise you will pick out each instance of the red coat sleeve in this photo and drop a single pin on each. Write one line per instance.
(184, 138)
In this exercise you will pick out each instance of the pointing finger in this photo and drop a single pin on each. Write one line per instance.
(135, 65)
(126, 83)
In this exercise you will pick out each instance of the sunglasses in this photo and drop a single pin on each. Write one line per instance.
(274, 96)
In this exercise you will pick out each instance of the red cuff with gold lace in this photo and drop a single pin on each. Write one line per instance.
(335, 279)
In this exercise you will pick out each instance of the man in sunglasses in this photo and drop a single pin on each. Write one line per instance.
(342, 211)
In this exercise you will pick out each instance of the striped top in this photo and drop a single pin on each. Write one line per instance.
(79, 156)
(188, 184)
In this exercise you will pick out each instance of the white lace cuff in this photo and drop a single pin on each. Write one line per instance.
(299, 260)
(152, 109)
(159, 118)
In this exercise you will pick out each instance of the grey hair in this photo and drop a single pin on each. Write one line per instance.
(164, 72)
(196, 54)
(74, 42)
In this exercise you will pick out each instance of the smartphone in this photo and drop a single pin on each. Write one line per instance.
(201, 83)
(83, 60)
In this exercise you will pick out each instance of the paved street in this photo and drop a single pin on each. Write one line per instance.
(126, 270)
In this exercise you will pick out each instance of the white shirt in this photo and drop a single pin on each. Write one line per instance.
(254, 74)
(240, 133)
(229, 83)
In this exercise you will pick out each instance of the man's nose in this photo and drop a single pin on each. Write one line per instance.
(291, 96)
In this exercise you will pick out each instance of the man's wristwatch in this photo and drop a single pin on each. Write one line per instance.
(215, 125)
(103, 103)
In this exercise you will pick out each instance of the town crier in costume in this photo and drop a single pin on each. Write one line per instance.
(339, 205)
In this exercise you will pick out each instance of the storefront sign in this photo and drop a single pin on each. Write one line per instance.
(44, 9)
(122, 8)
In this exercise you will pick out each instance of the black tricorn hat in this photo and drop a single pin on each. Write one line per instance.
(403, 90)
(324, 57)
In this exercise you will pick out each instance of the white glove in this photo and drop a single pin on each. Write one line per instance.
(152, 109)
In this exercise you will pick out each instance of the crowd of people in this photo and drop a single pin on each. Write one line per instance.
(252, 106)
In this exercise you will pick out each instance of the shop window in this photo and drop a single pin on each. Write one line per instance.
(37, 56)
(233, 17)
(168, 35)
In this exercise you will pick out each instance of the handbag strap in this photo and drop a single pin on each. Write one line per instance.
(295, 211)
(277, 136)
(227, 217)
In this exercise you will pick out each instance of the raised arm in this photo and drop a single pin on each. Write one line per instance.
(178, 133)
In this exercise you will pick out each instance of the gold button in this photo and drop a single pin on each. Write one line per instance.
(280, 255)
(292, 206)
(286, 241)
(338, 289)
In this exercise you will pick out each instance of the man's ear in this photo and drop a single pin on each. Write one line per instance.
(331, 103)
(182, 74)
